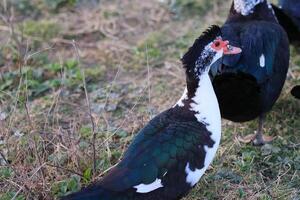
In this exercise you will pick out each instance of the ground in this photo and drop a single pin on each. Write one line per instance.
(78, 79)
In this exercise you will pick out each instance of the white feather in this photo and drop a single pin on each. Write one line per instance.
(262, 60)
(145, 188)
(245, 7)
(182, 98)
(207, 108)
(193, 177)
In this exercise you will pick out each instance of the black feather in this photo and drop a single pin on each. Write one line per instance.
(288, 24)
(190, 57)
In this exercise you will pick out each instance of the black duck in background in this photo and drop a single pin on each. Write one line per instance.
(248, 85)
(288, 15)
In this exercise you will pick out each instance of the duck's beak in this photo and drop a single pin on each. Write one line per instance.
(216, 68)
(231, 50)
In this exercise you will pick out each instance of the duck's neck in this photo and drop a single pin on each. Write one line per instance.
(203, 102)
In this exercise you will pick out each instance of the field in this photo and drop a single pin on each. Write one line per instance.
(79, 78)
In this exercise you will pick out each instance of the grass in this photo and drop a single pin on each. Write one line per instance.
(128, 67)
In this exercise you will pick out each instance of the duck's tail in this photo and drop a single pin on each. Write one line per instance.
(93, 193)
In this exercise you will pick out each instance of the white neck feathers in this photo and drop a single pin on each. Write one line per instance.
(206, 106)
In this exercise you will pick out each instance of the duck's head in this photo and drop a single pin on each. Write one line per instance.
(206, 51)
(245, 7)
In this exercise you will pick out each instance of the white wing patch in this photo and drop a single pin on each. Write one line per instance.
(262, 60)
(194, 176)
(145, 188)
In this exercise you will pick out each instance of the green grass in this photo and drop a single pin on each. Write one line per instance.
(46, 131)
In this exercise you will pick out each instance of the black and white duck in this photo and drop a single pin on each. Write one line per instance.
(248, 84)
(171, 153)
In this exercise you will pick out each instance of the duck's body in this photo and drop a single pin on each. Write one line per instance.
(249, 84)
(288, 15)
(165, 160)
(171, 153)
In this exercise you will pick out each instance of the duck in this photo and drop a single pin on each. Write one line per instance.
(171, 153)
(247, 85)
(296, 91)
(288, 15)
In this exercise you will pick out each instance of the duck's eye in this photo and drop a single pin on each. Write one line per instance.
(229, 47)
(217, 44)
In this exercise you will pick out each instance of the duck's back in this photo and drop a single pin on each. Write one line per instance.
(164, 161)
